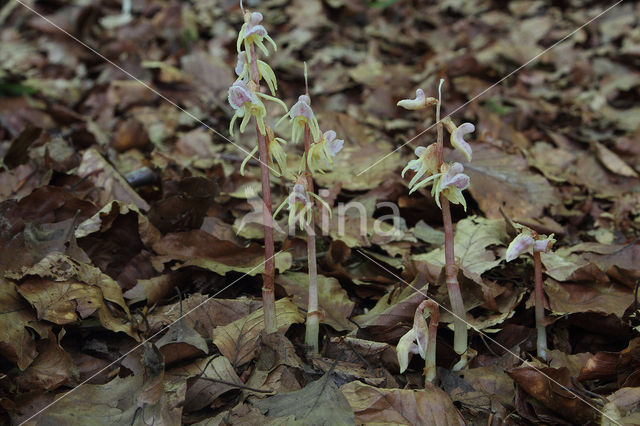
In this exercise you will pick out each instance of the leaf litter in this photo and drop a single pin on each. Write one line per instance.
(121, 215)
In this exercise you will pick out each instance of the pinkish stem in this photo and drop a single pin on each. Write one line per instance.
(451, 271)
(430, 359)
(268, 277)
(539, 302)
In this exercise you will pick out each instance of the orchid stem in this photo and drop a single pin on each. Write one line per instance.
(539, 302)
(430, 359)
(268, 277)
(451, 271)
(313, 319)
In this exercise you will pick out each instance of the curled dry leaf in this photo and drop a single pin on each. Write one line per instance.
(553, 396)
(16, 342)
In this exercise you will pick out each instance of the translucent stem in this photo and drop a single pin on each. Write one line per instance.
(539, 302)
(313, 318)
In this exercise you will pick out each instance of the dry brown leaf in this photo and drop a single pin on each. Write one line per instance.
(239, 342)
(553, 396)
(110, 185)
(502, 180)
(401, 406)
(320, 402)
(332, 298)
(393, 309)
(52, 368)
(362, 148)
(218, 378)
(569, 298)
(612, 162)
(16, 342)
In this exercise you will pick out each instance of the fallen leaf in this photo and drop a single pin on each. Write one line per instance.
(238, 341)
(51, 369)
(16, 342)
(320, 402)
(503, 180)
(554, 394)
(218, 378)
(332, 298)
(401, 406)
(472, 237)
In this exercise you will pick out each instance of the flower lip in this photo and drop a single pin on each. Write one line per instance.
(330, 135)
(457, 139)
(301, 108)
(239, 93)
(335, 146)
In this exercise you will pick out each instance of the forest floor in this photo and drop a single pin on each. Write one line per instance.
(131, 245)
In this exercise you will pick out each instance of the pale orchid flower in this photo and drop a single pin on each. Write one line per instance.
(245, 100)
(427, 162)
(254, 33)
(299, 203)
(276, 154)
(301, 114)
(451, 184)
(420, 102)
(418, 341)
(321, 152)
(457, 136)
(265, 71)
(528, 241)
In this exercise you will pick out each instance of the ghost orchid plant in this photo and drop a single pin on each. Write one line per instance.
(448, 182)
(528, 241)
(246, 98)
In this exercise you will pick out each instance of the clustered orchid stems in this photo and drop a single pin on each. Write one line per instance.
(530, 241)
(448, 182)
(421, 340)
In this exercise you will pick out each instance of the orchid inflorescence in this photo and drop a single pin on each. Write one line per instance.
(246, 99)
(448, 180)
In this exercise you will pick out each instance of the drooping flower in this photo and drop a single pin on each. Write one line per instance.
(301, 114)
(322, 151)
(457, 136)
(245, 100)
(427, 162)
(420, 102)
(264, 70)
(451, 184)
(299, 203)
(528, 241)
(416, 340)
(277, 156)
(254, 33)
